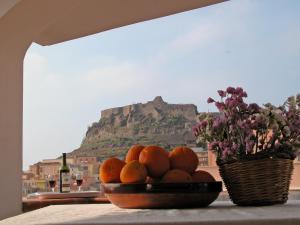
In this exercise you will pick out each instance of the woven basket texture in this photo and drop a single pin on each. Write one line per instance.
(258, 182)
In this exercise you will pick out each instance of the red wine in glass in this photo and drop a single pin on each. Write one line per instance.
(79, 181)
(52, 182)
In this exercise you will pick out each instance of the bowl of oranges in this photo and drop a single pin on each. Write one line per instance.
(151, 177)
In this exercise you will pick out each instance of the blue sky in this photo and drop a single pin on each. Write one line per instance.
(184, 58)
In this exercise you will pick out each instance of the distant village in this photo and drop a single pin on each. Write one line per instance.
(36, 178)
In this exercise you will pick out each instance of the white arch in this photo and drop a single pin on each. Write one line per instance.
(18, 28)
(47, 22)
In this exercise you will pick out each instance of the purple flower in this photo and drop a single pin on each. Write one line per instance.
(230, 90)
(277, 145)
(224, 145)
(240, 99)
(203, 124)
(213, 145)
(226, 153)
(249, 146)
(228, 150)
(248, 122)
(222, 93)
(221, 145)
(196, 130)
(253, 107)
(243, 106)
(244, 94)
(210, 100)
(234, 147)
(232, 128)
(220, 106)
(238, 127)
(227, 100)
(216, 124)
(232, 103)
(239, 91)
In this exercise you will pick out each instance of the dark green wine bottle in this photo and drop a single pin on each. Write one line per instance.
(64, 175)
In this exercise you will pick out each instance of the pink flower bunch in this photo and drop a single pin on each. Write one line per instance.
(241, 130)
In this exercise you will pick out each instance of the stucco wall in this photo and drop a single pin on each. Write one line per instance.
(10, 130)
(18, 28)
(295, 183)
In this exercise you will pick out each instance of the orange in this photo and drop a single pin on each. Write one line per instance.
(156, 160)
(176, 176)
(202, 176)
(133, 153)
(133, 172)
(183, 158)
(110, 170)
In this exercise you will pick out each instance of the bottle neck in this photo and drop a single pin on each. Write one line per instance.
(64, 159)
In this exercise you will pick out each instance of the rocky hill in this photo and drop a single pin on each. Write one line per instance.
(155, 122)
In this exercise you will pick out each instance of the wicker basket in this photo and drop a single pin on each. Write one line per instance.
(258, 182)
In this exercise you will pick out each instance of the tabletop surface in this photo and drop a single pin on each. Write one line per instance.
(220, 212)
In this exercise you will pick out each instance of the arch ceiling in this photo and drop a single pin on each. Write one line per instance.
(86, 17)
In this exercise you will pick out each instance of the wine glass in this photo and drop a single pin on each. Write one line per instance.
(79, 181)
(52, 182)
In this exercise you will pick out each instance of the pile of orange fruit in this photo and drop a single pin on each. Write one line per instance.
(153, 164)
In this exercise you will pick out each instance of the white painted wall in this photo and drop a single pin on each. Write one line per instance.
(18, 27)
(10, 129)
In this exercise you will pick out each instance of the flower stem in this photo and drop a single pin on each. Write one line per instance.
(256, 147)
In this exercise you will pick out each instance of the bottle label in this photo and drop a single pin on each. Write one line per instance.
(65, 182)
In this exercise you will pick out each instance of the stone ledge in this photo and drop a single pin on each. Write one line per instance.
(220, 212)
